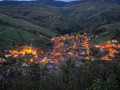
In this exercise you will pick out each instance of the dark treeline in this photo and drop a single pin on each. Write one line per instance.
(38, 2)
(90, 75)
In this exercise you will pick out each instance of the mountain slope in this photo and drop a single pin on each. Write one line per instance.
(55, 3)
(39, 2)
(107, 32)
(87, 15)
(14, 30)
(8, 35)
(24, 25)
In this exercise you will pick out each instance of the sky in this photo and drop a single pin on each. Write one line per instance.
(66, 0)
(56, 0)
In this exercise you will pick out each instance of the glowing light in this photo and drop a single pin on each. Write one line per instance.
(14, 51)
(57, 54)
(0, 59)
(118, 46)
(85, 44)
(106, 58)
(87, 58)
(102, 46)
(40, 51)
(15, 56)
(73, 46)
(111, 51)
(70, 53)
(22, 52)
(44, 60)
(31, 60)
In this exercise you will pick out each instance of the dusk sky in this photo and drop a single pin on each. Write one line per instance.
(66, 0)
(56, 0)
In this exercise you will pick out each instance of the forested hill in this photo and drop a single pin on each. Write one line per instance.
(51, 2)
(40, 2)
(94, 17)
(87, 15)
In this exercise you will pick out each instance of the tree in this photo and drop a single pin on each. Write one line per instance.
(110, 84)
(65, 70)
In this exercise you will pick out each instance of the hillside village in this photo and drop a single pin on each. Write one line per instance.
(75, 46)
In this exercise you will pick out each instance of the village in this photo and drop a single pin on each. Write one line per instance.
(73, 46)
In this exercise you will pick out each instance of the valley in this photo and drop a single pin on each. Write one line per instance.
(60, 45)
(75, 46)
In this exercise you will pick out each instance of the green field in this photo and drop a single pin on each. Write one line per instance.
(19, 30)
(24, 25)
(106, 33)
(102, 38)
(10, 34)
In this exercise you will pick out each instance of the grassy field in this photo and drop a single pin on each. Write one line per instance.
(106, 32)
(19, 30)
(10, 34)
(25, 25)
(102, 38)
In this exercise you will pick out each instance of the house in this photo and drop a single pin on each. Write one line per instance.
(0, 59)
(8, 55)
(37, 60)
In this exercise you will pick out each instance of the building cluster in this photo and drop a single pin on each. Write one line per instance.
(111, 48)
(74, 46)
